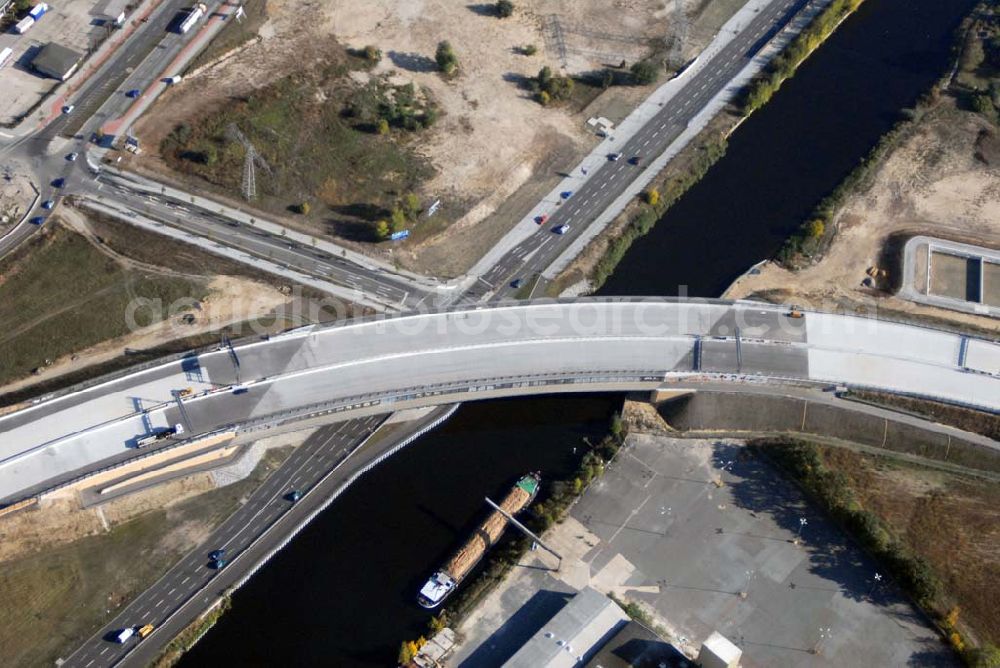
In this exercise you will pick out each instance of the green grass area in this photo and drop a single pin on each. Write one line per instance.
(344, 149)
(52, 601)
(236, 33)
(59, 295)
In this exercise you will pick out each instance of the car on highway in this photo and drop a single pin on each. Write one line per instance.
(634, 160)
(562, 229)
(38, 220)
(215, 555)
(218, 564)
(516, 283)
(542, 219)
(614, 157)
(59, 183)
(73, 156)
(294, 495)
(124, 635)
(134, 93)
(145, 630)
(48, 204)
(68, 109)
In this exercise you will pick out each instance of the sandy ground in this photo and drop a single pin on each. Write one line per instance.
(60, 519)
(16, 196)
(492, 138)
(231, 300)
(936, 182)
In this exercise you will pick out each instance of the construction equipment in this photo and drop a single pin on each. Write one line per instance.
(248, 187)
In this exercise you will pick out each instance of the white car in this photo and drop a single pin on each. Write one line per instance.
(562, 229)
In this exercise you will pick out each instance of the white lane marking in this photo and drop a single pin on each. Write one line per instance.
(103, 651)
(158, 603)
(171, 591)
(88, 663)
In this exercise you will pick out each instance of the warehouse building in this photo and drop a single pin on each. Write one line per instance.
(57, 61)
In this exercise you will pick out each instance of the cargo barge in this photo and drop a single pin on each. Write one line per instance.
(448, 577)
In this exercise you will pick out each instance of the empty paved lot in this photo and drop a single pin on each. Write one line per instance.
(657, 530)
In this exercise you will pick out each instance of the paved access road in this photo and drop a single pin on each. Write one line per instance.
(191, 585)
(579, 209)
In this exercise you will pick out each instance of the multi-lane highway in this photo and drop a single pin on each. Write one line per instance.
(603, 185)
(317, 468)
(368, 366)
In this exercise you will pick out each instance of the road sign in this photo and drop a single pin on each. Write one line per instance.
(402, 234)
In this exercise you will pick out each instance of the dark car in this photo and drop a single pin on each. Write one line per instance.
(59, 183)
(516, 283)
(219, 564)
(294, 495)
(634, 160)
(38, 220)
(134, 93)
(216, 555)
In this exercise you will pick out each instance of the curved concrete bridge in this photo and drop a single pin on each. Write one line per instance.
(379, 365)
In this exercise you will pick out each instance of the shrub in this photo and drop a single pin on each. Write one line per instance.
(982, 103)
(544, 98)
(382, 230)
(304, 208)
(446, 59)
(411, 205)
(644, 72)
(373, 54)
(529, 50)
(382, 126)
(550, 87)
(504, 8)
(398, 219)
(652, 197)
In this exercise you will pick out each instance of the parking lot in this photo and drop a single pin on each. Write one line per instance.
(71, 23)
(658, 529)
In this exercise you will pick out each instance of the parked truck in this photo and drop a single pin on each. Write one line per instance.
(24, 25)
(192, 18)
(38, 11)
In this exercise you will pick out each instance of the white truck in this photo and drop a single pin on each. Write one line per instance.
(193, 17)
(24, 25)
(124, 635)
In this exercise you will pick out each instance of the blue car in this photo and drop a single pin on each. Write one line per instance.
(134, 93)
(48, 204)
(59, 183)
(215, 555)
(37, 220)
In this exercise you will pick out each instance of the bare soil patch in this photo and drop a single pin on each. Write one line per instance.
(490, 139)
(933, 183)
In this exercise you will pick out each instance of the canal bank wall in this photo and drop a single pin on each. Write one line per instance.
(733, 414)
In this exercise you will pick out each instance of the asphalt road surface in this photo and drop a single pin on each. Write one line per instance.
(579, 209)
(386, 287)
(188, 587)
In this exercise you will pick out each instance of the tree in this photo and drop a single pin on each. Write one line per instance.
(529, 49)
(987, 656)
(398, 219)
(644, 72)
(446, 59)
(411, 204)
(382, 230)
(815, 228)
(544, 98)
(304, 208)
(544, 77)
(983, 104)
(373, 54)
(652, 197)
(382, 127)
(505, 8)
(406, 653)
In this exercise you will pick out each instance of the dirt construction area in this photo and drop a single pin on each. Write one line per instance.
(490, 137)
(942, 180)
